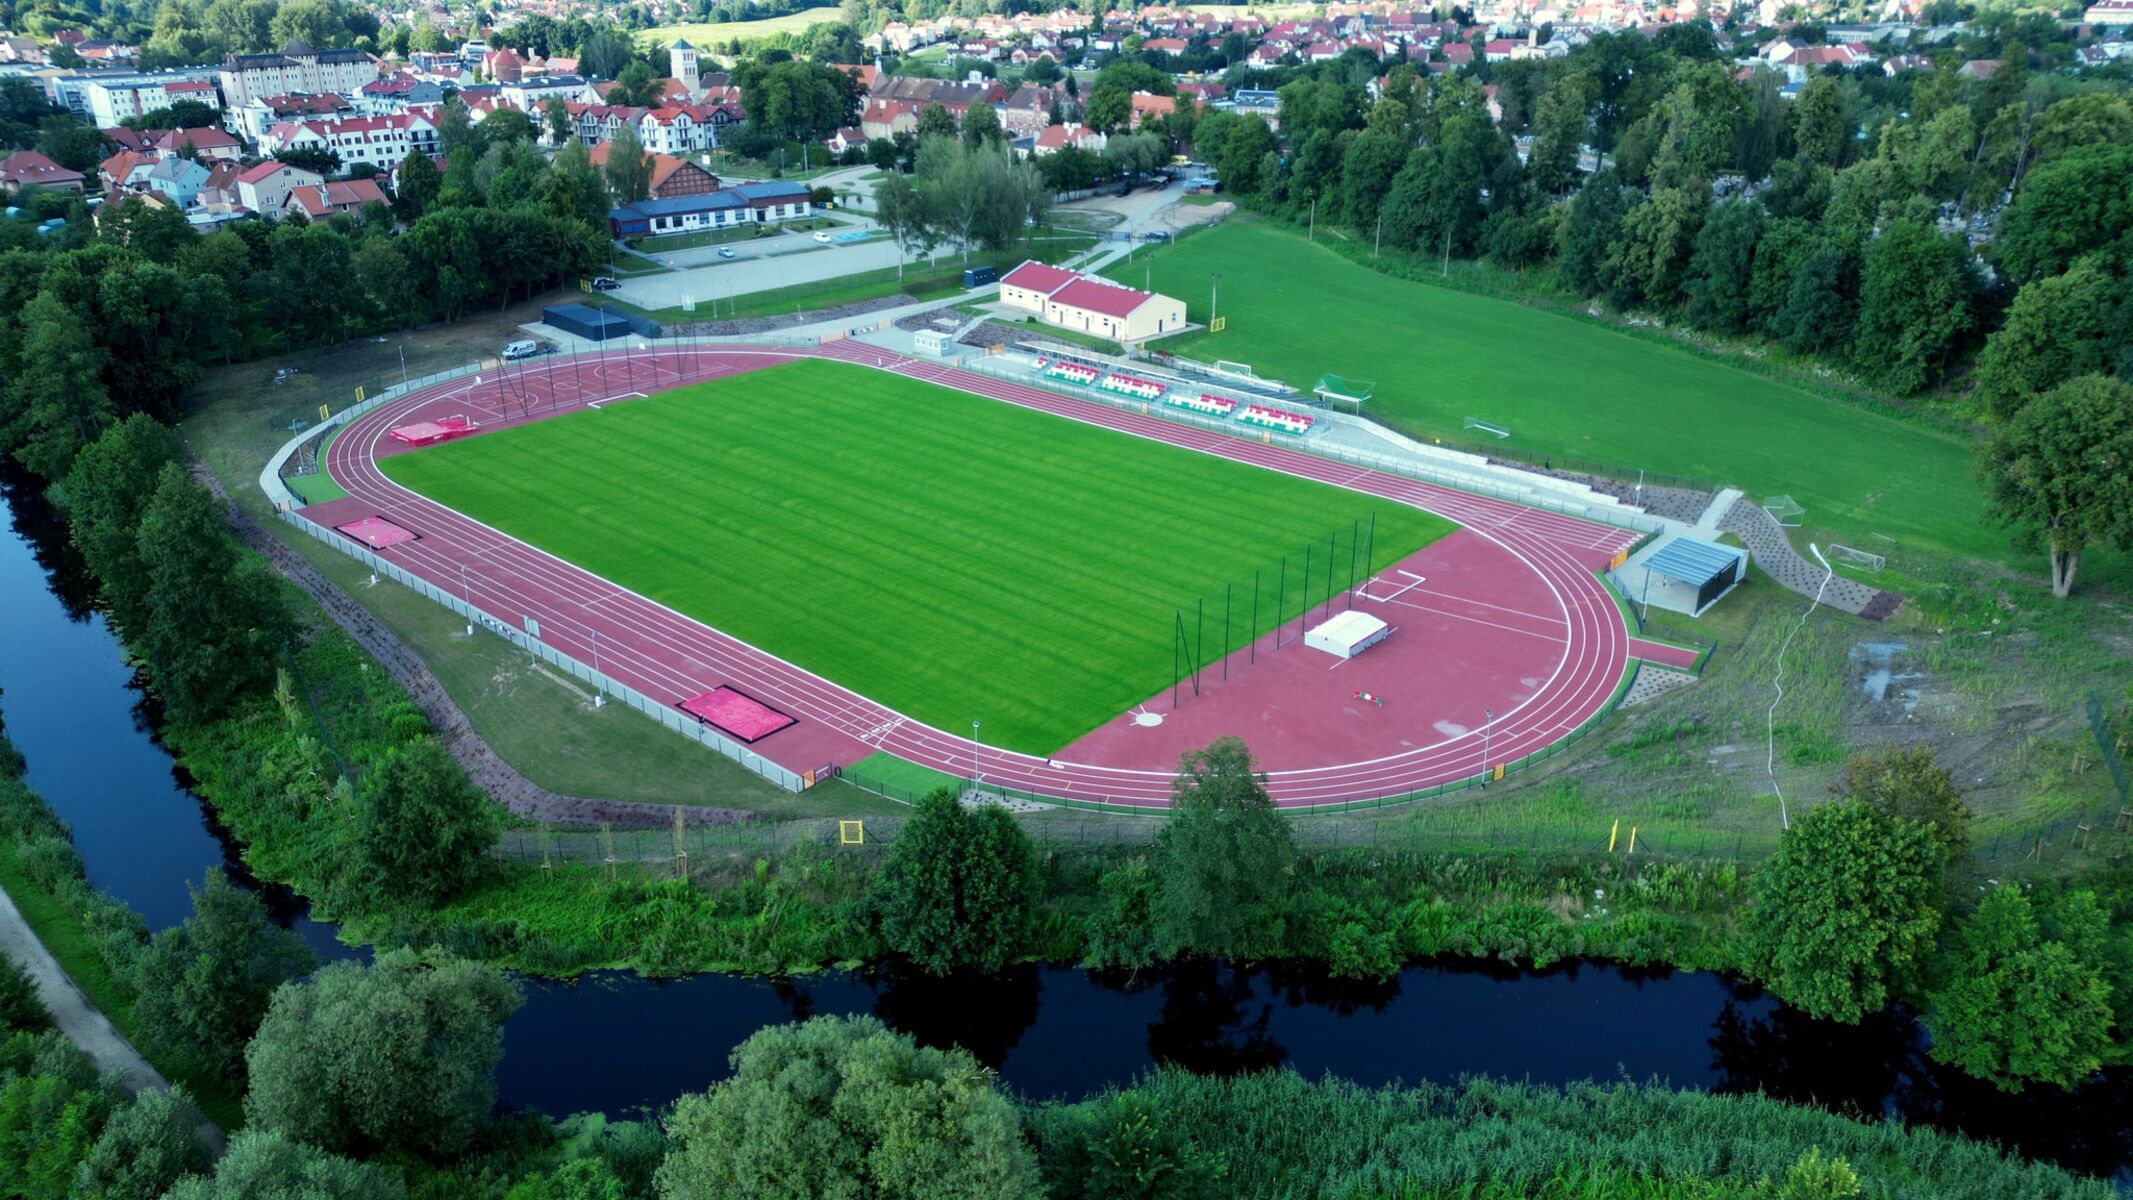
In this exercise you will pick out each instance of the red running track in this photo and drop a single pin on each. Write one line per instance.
(671, 657)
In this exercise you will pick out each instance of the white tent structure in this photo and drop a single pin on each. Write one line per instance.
(1348, 634)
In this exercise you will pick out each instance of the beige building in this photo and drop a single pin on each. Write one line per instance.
(1086, 303)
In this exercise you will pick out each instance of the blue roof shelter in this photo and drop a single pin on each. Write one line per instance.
(1683, 574)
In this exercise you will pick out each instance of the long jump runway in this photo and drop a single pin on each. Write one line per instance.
(671, 657)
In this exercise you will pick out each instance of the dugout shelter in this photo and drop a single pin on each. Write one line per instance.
(1683, 574)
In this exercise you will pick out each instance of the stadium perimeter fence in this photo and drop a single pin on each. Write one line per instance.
(286, 503)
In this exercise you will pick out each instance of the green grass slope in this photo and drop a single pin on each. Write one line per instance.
(1567, 387)
(950, 556)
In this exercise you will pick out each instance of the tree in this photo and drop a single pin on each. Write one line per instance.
(508, 125)
(1223, 858)
(637, 86)
(878, 1116)
(555, 114)
(1821, 307)
(2057, 470)
(1844, 911)
(382, 270)
(2066, 209)
(400, 1055)
(321, 159)
(204, 985)
(1722, 267)
(421, 829)
(214, 623)
(269, 1165)
(1908, 784)
(1818, 125)
(1594, 222)
(56, 403)
(419, 185)
(1915, 288)
(1645, 263)
(109, 485)
(2054, 332)
(934, 120)
(1244, 152)
(145, 1149)
(629, 168)
(1561, 123)
(21, 1009)
(981, 126)
(2025, 997)
(901, 209)
(959, 887)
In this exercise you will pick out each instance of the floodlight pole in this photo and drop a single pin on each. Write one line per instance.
(1487, 727)
(599, 693)
(974, 745)
(466, 597)
(1214, 295)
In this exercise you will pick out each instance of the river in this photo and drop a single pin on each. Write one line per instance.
(618, 1043)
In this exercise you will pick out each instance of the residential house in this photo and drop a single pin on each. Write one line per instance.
(177, 179)
(265, 188)
(126, 171)
(671, 176)
(526, 95)
(1147, 106)
(845, 140)
(206, 142)
(321, 200)
(1028, 110)
(1054, 138)
(27, 168)
(358, 141)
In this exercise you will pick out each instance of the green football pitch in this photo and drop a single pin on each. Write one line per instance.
(949, 556)
(1568, 387)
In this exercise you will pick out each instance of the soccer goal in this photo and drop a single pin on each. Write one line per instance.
(1785, 511)
(1489, 427)
(1865, 560)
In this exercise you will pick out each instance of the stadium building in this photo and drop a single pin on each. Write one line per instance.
(1087, 303)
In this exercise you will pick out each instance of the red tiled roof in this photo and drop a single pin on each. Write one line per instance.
(1094, 295)
(1037, 277)
(28, 166)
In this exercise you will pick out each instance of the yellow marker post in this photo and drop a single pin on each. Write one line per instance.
(1498, 777)
(1617, 828)
(1632, 839)
(322, 413)
(852, 833)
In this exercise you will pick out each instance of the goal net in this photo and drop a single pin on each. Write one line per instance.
(1865, 560)
(1489, 427)
(1785, 511)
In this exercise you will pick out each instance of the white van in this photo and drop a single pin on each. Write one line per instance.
(526, 348)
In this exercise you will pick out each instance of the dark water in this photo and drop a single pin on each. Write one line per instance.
(616, 1042)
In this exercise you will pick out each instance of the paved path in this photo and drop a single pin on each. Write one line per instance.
(1773, 552)
(83, 1023)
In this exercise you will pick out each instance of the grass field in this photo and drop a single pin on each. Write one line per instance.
(949, 556)
(1568, 387)
(715, 36)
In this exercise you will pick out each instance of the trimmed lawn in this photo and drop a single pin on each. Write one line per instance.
(1565, 386)
(950, 556)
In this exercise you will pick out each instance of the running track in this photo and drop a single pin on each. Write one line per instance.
(670, 657)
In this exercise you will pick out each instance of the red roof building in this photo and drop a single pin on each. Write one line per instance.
(27, 168)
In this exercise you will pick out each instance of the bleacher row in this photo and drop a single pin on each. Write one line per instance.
(1205, 403)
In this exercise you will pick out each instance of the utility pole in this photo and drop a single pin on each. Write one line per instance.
(1214, 294)
(1378, 239)
(1487, 728)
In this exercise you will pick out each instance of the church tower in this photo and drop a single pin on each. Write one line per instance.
(681, 64)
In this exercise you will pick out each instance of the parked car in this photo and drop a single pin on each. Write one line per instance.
(1156, 235)
(822, 235)
(605, 283)
(524, 348)
(725, 252)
